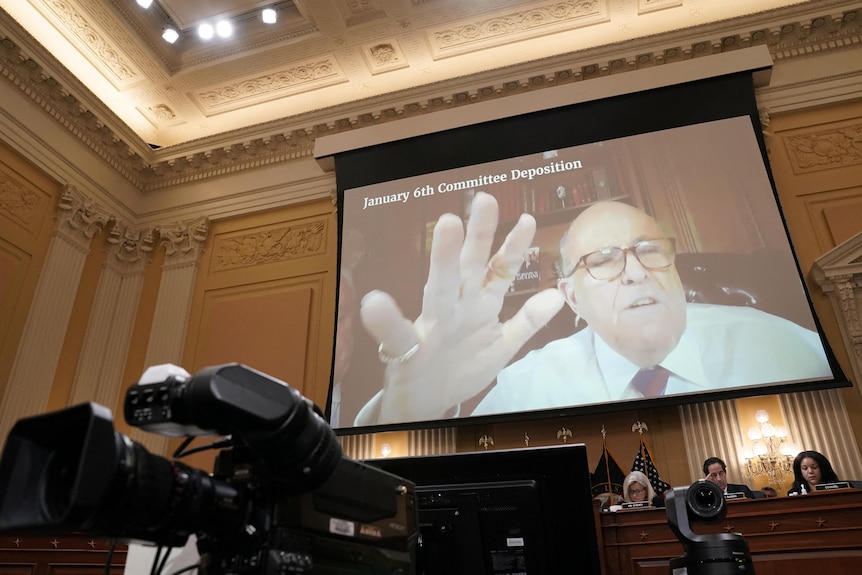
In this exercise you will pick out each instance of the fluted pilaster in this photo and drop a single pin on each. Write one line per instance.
(99, 375)
(32, 375)
(184, 245)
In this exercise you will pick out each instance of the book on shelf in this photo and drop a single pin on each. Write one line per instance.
(528, 277)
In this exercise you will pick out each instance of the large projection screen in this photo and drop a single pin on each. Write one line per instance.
(709, 291)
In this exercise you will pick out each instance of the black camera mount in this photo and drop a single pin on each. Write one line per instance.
(709, 554)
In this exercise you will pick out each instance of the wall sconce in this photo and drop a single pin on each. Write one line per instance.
(385, 450)
(486, 440)
(564, 433)
(772, 456)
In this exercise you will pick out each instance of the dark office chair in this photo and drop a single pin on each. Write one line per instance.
(765, 280)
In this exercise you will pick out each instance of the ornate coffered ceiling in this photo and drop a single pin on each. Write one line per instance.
(161, 114)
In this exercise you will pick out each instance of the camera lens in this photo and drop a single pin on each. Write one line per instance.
(705, 501)
(704, 498)
(58, 482)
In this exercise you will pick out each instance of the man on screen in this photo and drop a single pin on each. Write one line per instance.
(642, 339)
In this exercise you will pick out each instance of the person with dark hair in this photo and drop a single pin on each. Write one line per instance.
(769, 492)
(715, 470)
(810, 468)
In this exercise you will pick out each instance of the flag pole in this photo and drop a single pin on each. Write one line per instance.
(607, 463)
(640, 427)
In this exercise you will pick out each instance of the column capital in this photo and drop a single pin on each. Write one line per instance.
(129, 248)
(184, 240)
(79, 218)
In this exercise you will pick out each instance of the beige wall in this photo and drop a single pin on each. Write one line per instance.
(28, 200)
(265, 287)
(817, 164)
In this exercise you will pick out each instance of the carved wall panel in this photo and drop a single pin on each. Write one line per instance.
(826, 149)
(21, 205)
(269, 245)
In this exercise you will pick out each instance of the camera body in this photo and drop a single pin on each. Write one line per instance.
(710, 554)
(281, 499)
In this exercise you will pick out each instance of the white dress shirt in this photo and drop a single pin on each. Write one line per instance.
(722, 347)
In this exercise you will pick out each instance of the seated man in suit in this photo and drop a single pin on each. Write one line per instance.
(715, 470)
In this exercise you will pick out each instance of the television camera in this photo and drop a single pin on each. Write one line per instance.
(281, 499)
(711, 554)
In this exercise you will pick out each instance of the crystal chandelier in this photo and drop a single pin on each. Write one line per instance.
(772, 456)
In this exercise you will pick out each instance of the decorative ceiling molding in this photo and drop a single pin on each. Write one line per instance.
(474, 34)
(98, 48)
(310, 75)
(293, 137)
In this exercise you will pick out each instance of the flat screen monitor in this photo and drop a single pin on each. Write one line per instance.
(503, 512)
(695, 276)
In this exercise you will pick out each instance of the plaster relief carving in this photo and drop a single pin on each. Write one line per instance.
(787, 37)
(310, 75)
(274, 245)
(645, 6)
(184, 240)
(823, 150)
(838, 273)
(357, 12)
(162, 112)
(79, 218)
(129, 247)
(845, 286)
(384, 56)
(18, 204)
(103, 54)
(470, 35)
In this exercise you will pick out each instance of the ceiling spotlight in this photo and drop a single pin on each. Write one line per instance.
(205, 31)
(144, 3)
(170, 34)
(224, 28)
(269, 16)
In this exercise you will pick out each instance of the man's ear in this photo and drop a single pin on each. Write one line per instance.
(567, 288)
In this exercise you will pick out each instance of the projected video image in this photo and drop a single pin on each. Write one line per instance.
(650, 266)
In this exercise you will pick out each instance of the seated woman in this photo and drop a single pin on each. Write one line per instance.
(810, 468)
(637, 487)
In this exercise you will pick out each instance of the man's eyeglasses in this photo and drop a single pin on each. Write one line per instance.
(608, 263)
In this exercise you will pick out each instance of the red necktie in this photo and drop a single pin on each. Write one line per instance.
(651, 382)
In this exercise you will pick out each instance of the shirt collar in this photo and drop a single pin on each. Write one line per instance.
(684, 363)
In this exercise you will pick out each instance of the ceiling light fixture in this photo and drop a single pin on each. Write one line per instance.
(144, 3)
(224, 28)
(170, 34)
(269, 16)
(205, 31)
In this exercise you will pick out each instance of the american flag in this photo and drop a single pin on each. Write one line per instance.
(643, 462)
